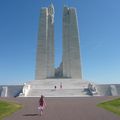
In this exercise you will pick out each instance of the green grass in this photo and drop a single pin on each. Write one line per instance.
(7, 108)
(113, 106)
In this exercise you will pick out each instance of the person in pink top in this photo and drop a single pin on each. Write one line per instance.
(42, 104)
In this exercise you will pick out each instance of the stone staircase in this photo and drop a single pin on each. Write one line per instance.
(57, 92)
(70, 88)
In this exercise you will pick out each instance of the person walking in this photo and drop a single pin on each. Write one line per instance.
(42, 104)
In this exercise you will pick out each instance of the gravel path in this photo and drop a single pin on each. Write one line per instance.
(63, 109)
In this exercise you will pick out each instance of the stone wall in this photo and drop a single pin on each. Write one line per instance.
(108, 89)
(11, 90)
(0, 90)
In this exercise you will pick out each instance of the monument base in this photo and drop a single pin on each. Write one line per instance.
(56, 88)
(68, 88)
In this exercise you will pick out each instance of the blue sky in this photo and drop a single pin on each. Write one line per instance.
(99, 26)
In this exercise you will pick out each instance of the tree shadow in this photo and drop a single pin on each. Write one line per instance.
(30, 115)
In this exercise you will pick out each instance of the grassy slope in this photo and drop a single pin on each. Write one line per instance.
(7, 108)
(113, 106)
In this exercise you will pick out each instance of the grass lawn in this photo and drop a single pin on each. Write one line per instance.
(7, 108)
(113, 106)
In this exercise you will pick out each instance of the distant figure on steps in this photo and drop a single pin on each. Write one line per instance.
(61, 85)
(55, 87)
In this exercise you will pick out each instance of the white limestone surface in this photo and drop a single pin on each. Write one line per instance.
(71, 46)
(64, 88)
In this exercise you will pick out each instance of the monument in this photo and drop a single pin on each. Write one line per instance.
(70, 66)
(66, 80)
(69, 73)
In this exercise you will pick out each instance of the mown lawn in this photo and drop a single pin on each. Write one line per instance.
(113, 106)
(7, 108)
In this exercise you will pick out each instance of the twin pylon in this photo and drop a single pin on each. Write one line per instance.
(71, 65)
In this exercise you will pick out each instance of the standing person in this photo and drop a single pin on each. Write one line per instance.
(61, 85)
(42, 104)
(55, 87)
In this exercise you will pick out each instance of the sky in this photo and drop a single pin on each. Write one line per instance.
(99, 27)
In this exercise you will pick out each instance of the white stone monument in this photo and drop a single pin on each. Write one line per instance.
(66, 80)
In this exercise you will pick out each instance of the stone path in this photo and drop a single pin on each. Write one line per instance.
(63, 109)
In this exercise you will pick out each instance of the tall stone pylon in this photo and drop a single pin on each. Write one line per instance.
(71, 48)
(45, 48)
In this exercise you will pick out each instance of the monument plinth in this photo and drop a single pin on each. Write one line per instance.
(57, 88)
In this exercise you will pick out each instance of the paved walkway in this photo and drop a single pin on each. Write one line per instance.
(63, 109)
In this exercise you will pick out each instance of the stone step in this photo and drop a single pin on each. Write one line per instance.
(57, 92)
(70, 88)
(50, 83)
